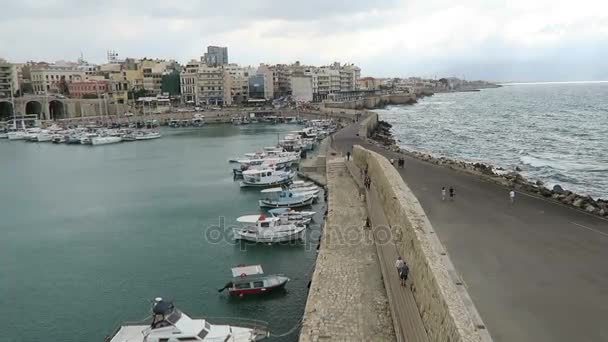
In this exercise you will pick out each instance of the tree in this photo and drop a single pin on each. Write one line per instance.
(170, 83)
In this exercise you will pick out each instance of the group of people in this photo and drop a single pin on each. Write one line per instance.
(444, 192)
(400, 162)
(402, 269)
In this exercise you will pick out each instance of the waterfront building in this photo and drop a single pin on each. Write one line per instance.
(301, 88)
(152, 73)
(54, 77)
(213, 86)
(215, 56)
(8, 79)
(257, 87)
(267, 73)
(92, 88)
(188, 82)
(368, 83)
(281, 80)
(239, 82)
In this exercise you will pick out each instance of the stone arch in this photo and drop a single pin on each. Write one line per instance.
(33, 107)
(6, 110)
(56, 110)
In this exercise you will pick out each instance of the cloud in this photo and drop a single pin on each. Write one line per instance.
(385, 37)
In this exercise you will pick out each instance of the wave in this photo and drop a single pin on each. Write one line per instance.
(563, 165)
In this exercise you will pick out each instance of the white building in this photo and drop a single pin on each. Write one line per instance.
(9, 80)
(188, 82)
(239, 82)
(268, 76)
(301, 88)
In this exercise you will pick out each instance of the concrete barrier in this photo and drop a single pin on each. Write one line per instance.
(368, 125)
(447, 311)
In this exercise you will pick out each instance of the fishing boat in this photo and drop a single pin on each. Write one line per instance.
(266, 177)
(268, 229)
(279, 198)
(250, 279)
(59, 138)
(292, 216)
(305, 214)
(174, 123)
(170, 324)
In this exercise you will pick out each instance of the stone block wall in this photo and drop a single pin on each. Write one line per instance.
(446, 310)
(368, 125)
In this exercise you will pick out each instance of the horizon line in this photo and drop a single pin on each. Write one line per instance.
(549, 82)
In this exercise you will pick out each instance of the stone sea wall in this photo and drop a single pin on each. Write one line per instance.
(375, 101)
(446, 309)
(368, 125)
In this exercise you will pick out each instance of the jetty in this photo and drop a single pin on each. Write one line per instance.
(520, 272)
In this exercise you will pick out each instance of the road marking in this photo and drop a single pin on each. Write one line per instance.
(589, 228)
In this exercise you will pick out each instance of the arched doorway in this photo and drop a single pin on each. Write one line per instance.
(56, 110)
(33, 107)
(6, 110)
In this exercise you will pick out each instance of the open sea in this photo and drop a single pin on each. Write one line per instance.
(554, 132)
(90, 235)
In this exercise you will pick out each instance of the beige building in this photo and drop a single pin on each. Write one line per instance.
(213, 86)
(239, 82)
(267, 74)
(188, 82)
(46, 78)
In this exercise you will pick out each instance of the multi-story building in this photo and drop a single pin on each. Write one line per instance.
(301, 88)
(152, 72)
(79, 89)
(239, 82)
(188, 82)
(215, 56)
(268, 79)
(8, 79)
(213, 86)
(47, 78)
(281, 80)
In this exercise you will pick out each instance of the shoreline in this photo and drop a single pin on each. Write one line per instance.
(382, 136)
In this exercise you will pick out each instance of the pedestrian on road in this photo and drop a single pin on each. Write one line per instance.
(392, 161)
(452, 194)
(512, 196)
(348, 155)
(403, 272)
(402, 163)
(443, 193)
(399, 263)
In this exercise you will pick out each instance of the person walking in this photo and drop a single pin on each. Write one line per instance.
(399, 263)
(443, 193)
(392, 161)
(452, 193)
(512, 196)
(403, 272)
(348, 155)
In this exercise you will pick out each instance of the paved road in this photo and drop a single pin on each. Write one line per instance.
(536, 270)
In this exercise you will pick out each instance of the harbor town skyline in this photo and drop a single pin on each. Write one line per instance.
(519, 42)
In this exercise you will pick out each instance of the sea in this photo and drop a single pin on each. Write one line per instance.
(554, 132)
(89, 236)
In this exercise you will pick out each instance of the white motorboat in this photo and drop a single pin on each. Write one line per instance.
(279, 198)
(44, 136)
(268, 229)
(313, 190)
(105, 140)
(144, 135)
(3, 135)
(169, 324)
(16, 135)
(59, 138)
(266, 177)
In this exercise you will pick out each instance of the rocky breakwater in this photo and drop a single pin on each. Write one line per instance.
(509, 178)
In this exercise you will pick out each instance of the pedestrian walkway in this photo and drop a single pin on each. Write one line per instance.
(406, 317)
(347, 299)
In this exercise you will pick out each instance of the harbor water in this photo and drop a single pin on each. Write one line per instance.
(90, 235)
(555, 133)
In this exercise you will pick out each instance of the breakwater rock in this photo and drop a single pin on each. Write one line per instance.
(508, 178)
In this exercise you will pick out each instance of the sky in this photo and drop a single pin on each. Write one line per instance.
(510, 40)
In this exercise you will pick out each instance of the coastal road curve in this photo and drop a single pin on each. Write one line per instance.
(536, 270)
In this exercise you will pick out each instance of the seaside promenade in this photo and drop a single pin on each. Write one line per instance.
(535, 270)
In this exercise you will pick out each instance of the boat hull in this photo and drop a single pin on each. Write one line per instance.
(257, 291)
(266, 203)
(269, 238)
(245, 184)
(105, 140)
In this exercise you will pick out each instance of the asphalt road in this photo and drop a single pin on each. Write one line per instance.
(536, 270)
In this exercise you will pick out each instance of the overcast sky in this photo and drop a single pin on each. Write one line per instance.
(510, 40)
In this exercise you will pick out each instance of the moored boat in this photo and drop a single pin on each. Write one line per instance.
(268, 229)
(250, 280)
(266, 177)
(170, 324)
(279, 198)
(95, 141)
